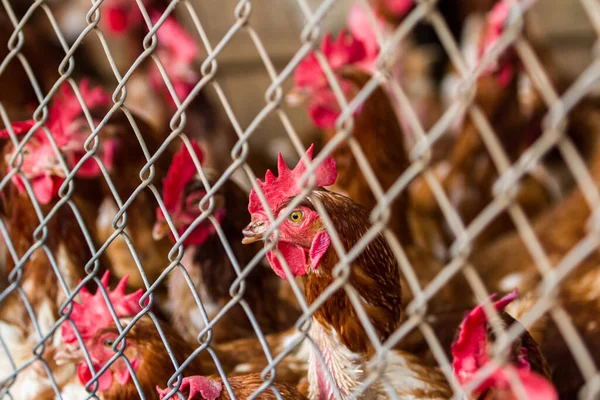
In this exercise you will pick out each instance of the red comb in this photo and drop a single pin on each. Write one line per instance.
(359, 23)
(399, 7)
(92, 314)
(67, 107)
(19, 128)
(181, 170)
(172, 36)
(63, 110)
(177, 50)
(121, 16)
(277, 189)
(345, 50)
(494, 29)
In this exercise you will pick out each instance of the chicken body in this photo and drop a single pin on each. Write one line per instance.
(336, 328)
(129, 159)
(44, 292)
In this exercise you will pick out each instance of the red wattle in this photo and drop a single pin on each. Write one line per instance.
(295, 257)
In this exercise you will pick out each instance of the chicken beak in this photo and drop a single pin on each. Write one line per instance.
(160, 230)
(254, 232)
(68, 354)
(57, 170)
(296, 97)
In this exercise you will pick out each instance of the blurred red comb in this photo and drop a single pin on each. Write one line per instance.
(19, 128)
(344, 50)
(93, 314)
(181, 170)
(496, 21)
(68, 107)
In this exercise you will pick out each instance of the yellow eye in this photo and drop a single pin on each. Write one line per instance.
(108, 342)
(296, 216)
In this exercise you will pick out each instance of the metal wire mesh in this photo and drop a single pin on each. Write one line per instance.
(511, 172)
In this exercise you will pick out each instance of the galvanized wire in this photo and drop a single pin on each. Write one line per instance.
(510, 173)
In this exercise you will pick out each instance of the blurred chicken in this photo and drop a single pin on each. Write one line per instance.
(336, 328)
(153, 364)
(580, 299)
(524, 361)
(42, 291)
(123, 156)
(468, 173)
(18, 97)
(382, 142)
(407, 67)
(65, 250)
(456, 15)
(393, 11)
(145, 349)
(207, 261)
(507, 263)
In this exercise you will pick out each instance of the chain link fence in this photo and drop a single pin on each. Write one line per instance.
(38, 296)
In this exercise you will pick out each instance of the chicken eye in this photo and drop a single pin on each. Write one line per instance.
(296, 216)
(108, 342)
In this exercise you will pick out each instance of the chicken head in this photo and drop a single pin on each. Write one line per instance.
(41, 163)
(303, 239)
(470, 352)
(182, 193)
(311, 84)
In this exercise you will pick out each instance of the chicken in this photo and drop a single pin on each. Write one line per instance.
(455, 14)
(207, 262)
(525, 361)
(61, 249)
(146, 354)
(579, 299)
(42, 291)
(145, 350)
(382, 142)
(94, 323)
(121, 153)
(211, 388)
(377, 131)
(468, 173)
(336, 329)
(122, 156)
(408, 65)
